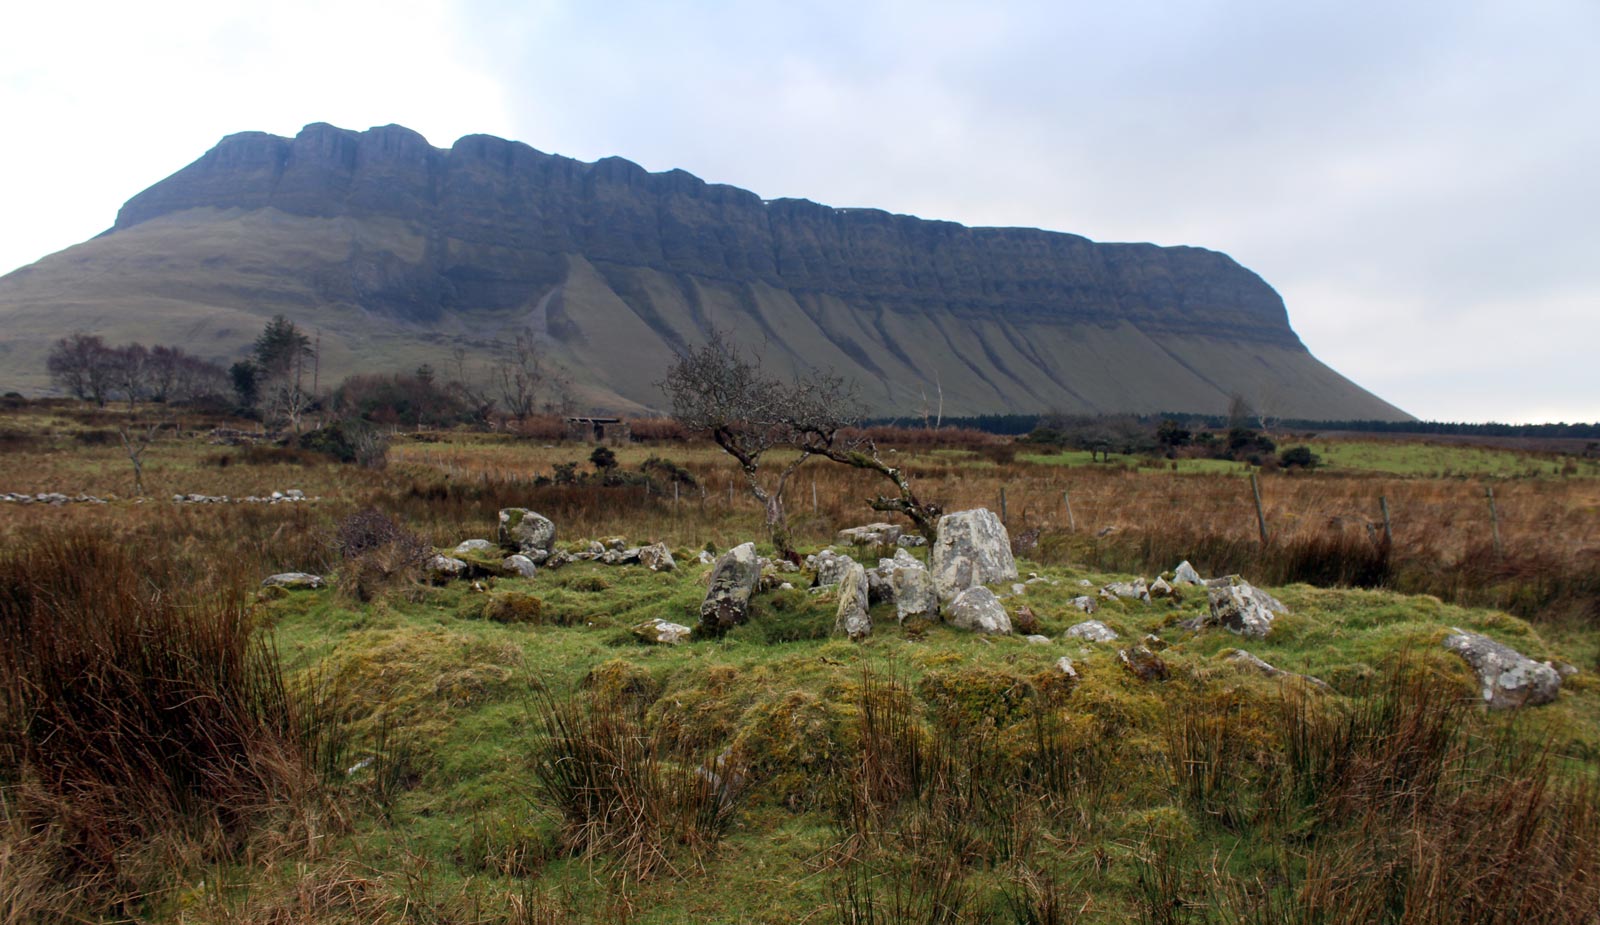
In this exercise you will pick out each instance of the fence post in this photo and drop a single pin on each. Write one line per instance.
(1002, 504)
(1072, 522)
(1494, 520)
(813, 494)
(1261, 517)
(1388, 535)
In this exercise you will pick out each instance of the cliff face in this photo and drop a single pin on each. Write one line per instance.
(615, 268)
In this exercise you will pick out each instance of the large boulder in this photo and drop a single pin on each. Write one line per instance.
(1238, 608)
(1508, 678)
(526, 532)
(657, 558)
(830, 567)
(519, 564)
(733, 580)
(978, 609)
(973, 549)
(853, 619)
(915, 597)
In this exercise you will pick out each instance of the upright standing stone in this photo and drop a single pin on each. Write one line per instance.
(853, 619)
(973, 549)
(733, 580)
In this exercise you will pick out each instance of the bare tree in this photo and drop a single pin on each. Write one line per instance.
(82, 364)
(529, 382)
(715, 390)
(135, 440)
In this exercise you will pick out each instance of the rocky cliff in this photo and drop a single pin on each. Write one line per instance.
(399, 250)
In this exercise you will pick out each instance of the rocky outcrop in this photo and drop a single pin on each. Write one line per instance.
(972, 549)
(1240, 607)
(363, 228)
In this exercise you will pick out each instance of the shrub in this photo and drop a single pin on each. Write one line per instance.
(349, 441)
(377, 552)
(511, 607)
(1299, 457)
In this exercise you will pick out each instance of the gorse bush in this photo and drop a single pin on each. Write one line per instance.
(144, 724)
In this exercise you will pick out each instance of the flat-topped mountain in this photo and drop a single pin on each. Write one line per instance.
(401, 253)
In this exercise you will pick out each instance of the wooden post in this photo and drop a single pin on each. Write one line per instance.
(1494, 520)
(730, 493)
(1388, 535)
(1072, 522)
(1002, 504)
(1261, 517)
(813, 494)
(674, 494)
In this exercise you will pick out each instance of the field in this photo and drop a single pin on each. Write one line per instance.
(179, 745)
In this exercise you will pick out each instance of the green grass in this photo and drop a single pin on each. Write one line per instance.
(1445, 460)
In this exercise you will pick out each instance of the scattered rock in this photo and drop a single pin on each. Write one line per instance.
(1135, 590)
(1237, 609)
(444, 568)
(733, 580)
(829, 566)
(1160, 590)
(527, 532)
(659, 631)
(1025, 620)
(1564, 669)
(973, 549)
(657, 558)
(466, 547)
(626, 556)
(1508, 678)
(1093, 631)
(1186, 575)
(1036, 640)
(1143, 664)
(869, 535)
(977, 609)
(556, 559)
(1084, 603)
(853, 619)
(1241, 657)
(519, 564)
(911, 540)
(1153, 642)
(293, 581)
(704, 558)
(1065, 666)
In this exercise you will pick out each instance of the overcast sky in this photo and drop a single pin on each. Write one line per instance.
(1420, 181)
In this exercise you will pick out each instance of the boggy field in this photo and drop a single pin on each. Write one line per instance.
(179, 744)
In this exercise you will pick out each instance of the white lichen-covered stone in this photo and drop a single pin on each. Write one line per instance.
(733, 580)
(1238, 609)
(1507, 678)
(1065, 666)
(1093, 631)
(1036, 640)
(978, 609)
(527, 532)
(444, 568)
(659, 631)
(911, 540)
(1186, 575)
(293, 581)
(1160, 590)
(1084, 603)
(973, 549)
(1254, 663)
(1135, 590)
(657, 558)
(519, 564)
(830, 567)
(853, 619)
(869, 535)
(915, 597)
(470, 546)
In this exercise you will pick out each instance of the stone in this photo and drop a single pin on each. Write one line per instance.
(1254, 663)
(705, 558)
(518, 564)
(978, 609)
(869, 535)
(615, 543)
(1025, 620)
(1093, 631)
(659, 631)
(1036, 640)
(1186, 575)
(293, 581)
(973, 549)
(1160, 590)
(1065, 666)
(1507, 678)
(733, 580)
(626, 556)
(911, 540)
(527, 532)
(1135, 590)
(830, 567)
(555, 560)
(879, 588)
(466, 547)
(853, 619)
(1236, 609)
(1143, 664)
(657, 558)
(1084, 603)
(444, 568)
(914, 594)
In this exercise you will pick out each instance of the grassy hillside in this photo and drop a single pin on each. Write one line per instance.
(505, 750)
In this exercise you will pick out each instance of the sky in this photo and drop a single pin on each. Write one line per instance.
(1420, 181)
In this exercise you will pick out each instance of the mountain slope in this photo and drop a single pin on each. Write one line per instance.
(401, 253)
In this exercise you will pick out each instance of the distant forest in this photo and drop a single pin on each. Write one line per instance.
(1018, 424)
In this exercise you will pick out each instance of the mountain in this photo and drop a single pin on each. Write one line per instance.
(400, 253)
